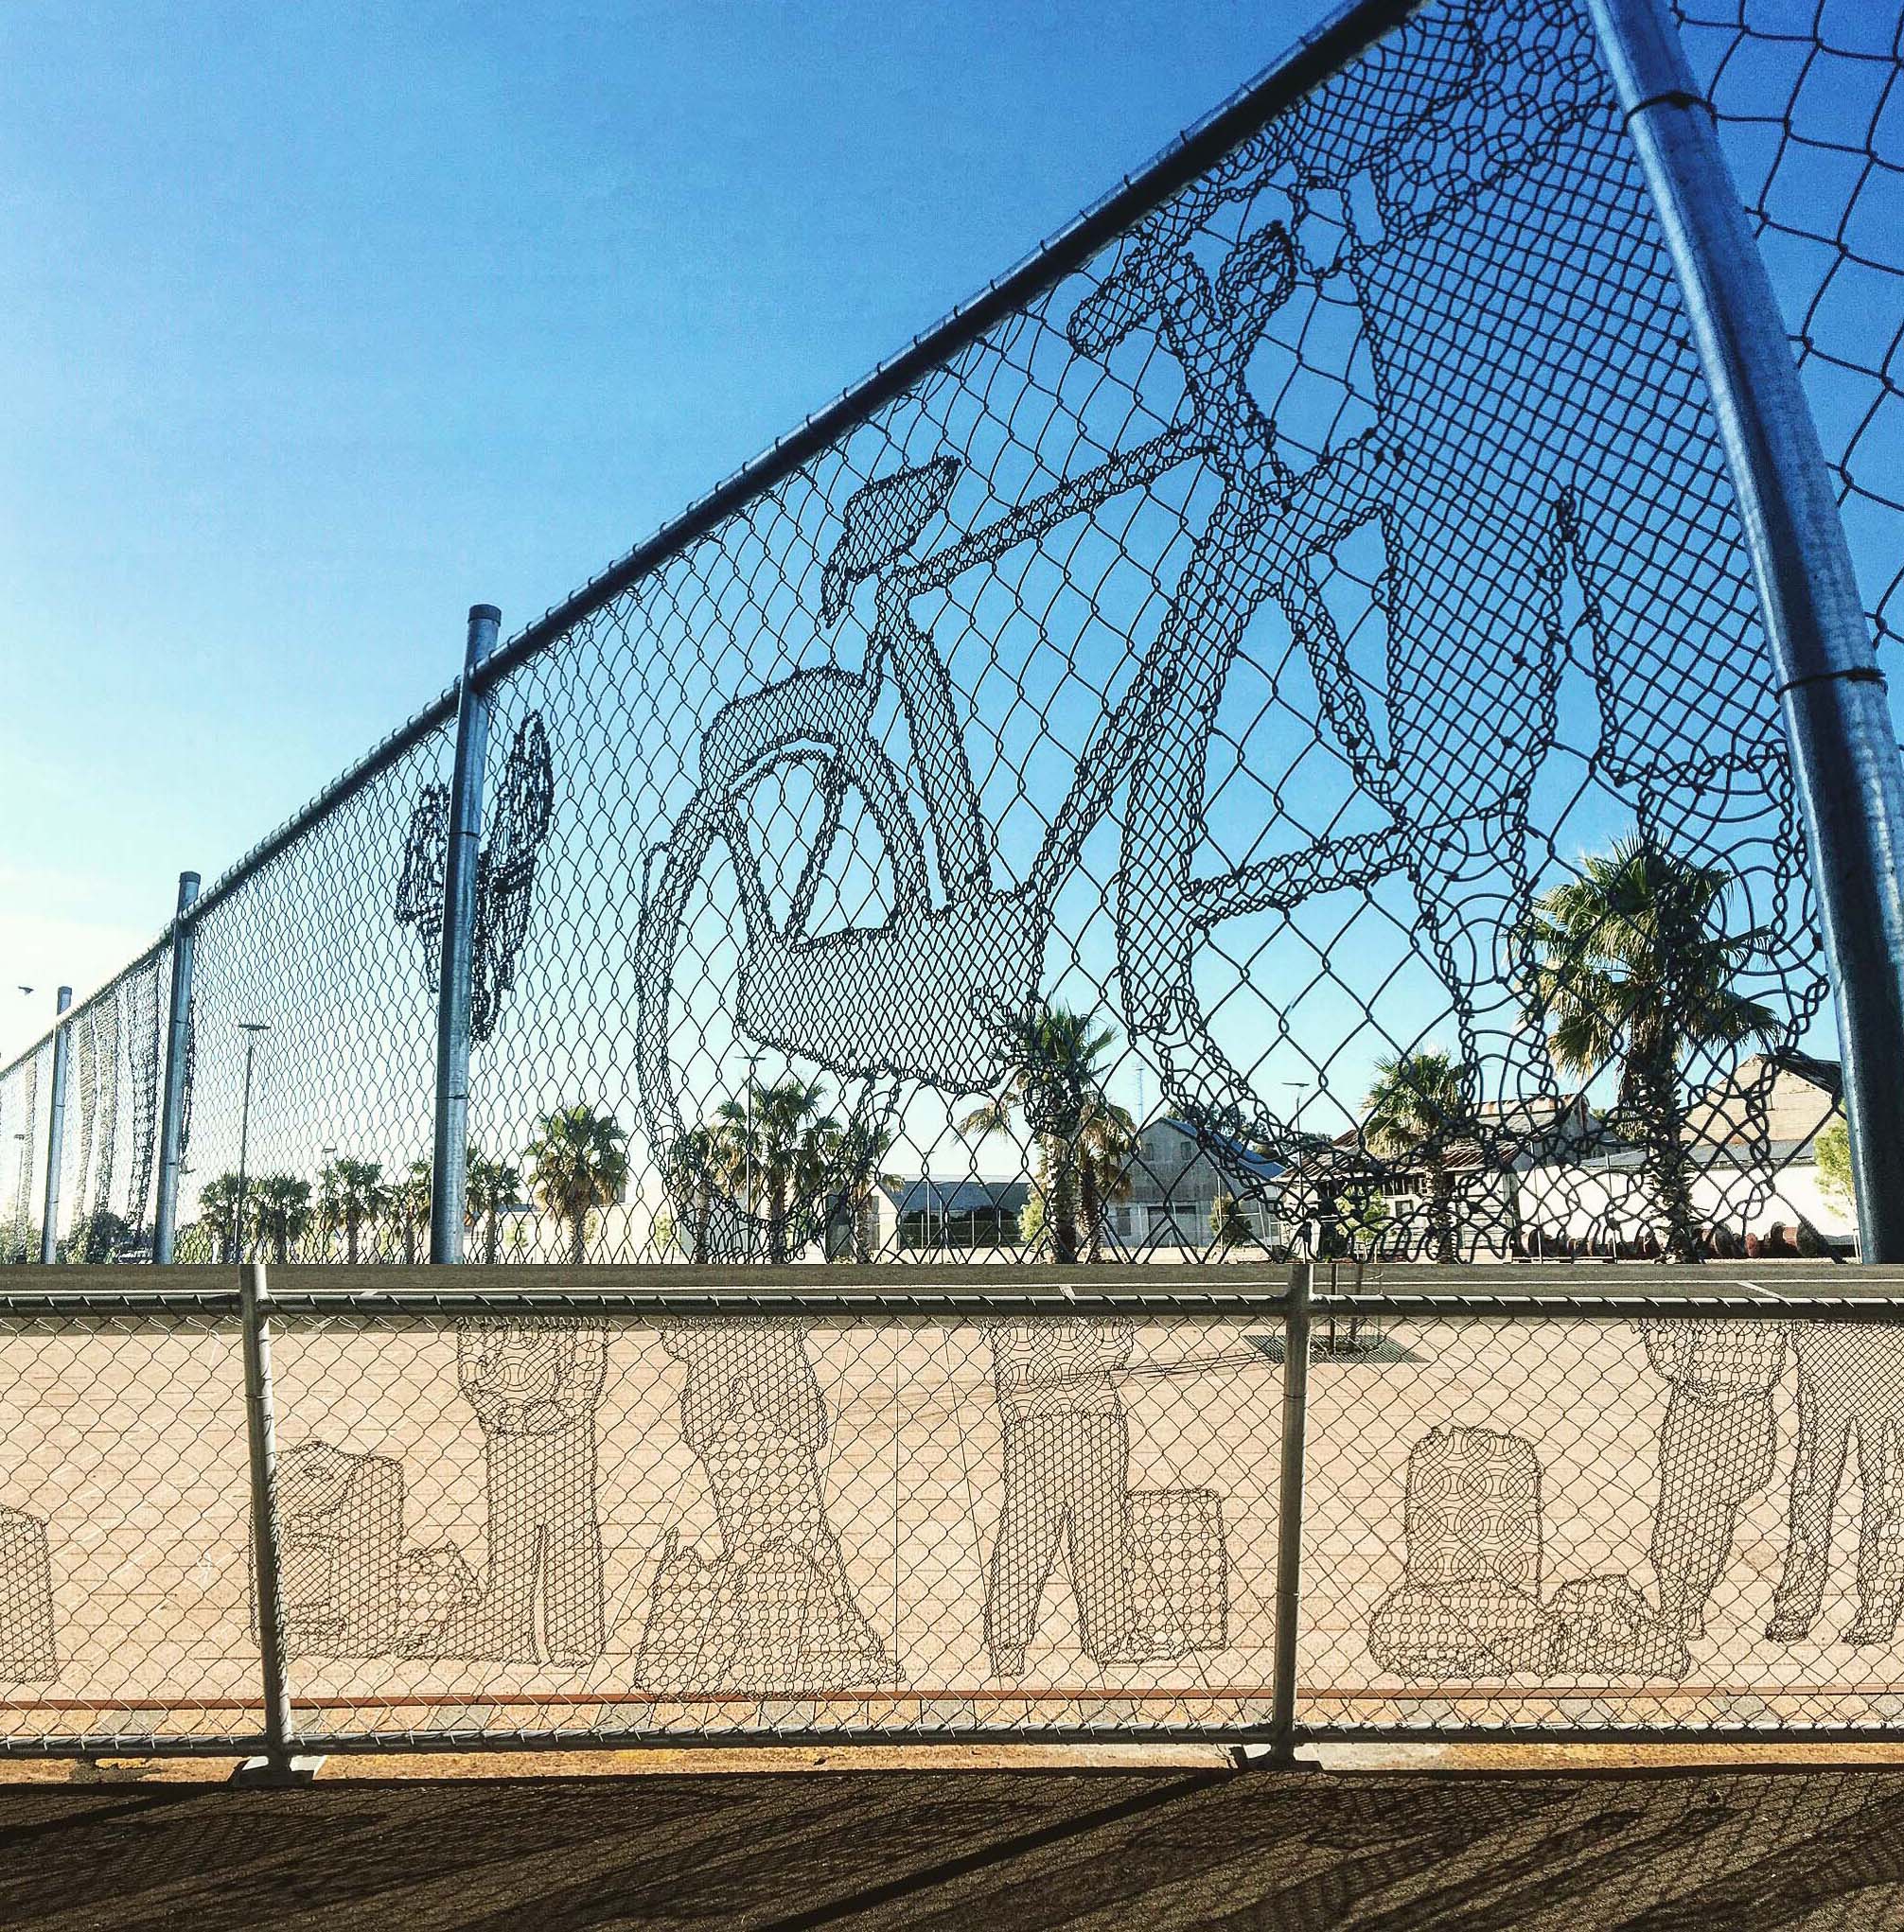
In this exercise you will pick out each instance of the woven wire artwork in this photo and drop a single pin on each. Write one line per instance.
(1266, 748)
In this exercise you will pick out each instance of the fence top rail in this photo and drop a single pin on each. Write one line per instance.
(867, 1291)
(1553, 1291)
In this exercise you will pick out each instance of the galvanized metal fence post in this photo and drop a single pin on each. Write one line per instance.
(1845, 756)
(261, 1436)
(455, 984)
(55, 1134)
(172, 1103)
(1289, 1513)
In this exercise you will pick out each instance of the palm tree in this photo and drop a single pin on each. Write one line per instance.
(581, 1164)
(1056, 1084)
(694, 1164)
(406, 1204)
(1107, 1138)
(1419, 1103)
(218, 1204)
(771, 1149)
(349, 1193)
(1632, 963)
(280, 1211)
(854, 1156)
(490, 1190)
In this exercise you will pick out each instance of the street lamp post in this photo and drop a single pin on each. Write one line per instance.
(325, 1155)
(251, 1030)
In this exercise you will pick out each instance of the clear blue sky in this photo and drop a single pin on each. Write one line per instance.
(323, 322)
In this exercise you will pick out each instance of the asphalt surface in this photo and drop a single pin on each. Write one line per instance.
(1669, 1849)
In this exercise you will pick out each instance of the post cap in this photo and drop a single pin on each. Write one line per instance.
(479, 611)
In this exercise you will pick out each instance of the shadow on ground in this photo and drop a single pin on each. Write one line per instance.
(1669, 1849)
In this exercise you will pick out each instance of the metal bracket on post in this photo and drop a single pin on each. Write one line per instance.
(1289, 1514)
(172, 1105)
(277, 1765)
(55, 1134)
(1844, 756)
(455, 983)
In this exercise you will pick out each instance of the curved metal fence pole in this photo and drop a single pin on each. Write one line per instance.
(455, 984)
(1837, 715)
(56, 1133)
(172, 1105)
(1289, 1514)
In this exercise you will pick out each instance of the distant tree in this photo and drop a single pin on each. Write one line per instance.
(1832, 1151)
(581, 1165)
(218, 1208)
(97, 1236)
(490, 1190)
(697, 1160)
(278, 1207)
(1107, 1138)
(196, 1243)
(772, 1144)
(1419, 1103)
(1056, 1086)
(853, 1156)
(351, 1195)
(1632, 965)
(407, 1205)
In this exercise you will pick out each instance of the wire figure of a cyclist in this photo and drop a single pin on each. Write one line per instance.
(1502, 462)
(1497, 469)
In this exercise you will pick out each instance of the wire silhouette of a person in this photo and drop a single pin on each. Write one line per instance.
(535, 1387)
(1067, 1451)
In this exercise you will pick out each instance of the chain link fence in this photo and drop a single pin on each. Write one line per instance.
(619, 1517)
(1254, 739)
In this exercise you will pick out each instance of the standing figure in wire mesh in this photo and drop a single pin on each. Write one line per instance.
(776, 1610)
(535, 1387)
(1068, 1452)
(1850, 1390)
(1718, 1443)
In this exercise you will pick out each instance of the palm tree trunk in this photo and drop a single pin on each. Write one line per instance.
(1093, 1207)
(1442, 1195)
(280, 1240)
(492, 1237)
(350, 1225)
(703, 1214)
(1060, 1164)
(1666, 1157)
(776, 1215)
(408, 1242)
(578, 1238)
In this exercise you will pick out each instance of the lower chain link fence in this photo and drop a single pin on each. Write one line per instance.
(586, 1519)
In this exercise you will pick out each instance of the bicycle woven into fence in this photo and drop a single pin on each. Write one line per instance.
(1265, 741)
